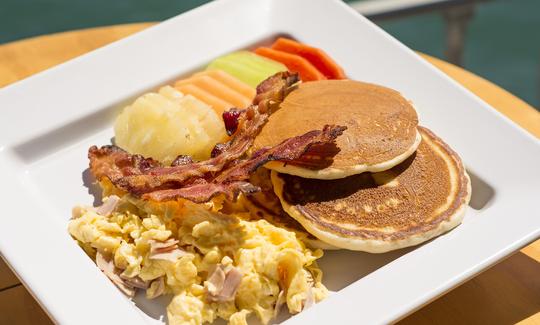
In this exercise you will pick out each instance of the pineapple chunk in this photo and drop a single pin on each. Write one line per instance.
(166, 124)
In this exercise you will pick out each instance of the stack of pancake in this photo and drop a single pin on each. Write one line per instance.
(392, 184)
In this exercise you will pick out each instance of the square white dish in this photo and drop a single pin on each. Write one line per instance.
(48, 121)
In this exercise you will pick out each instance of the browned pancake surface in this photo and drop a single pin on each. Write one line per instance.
(266, 204)
(381, 124)
(413, 197)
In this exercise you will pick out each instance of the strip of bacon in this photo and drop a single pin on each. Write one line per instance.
(115, 163)
(202, 192)
(137, 175)
(317, 157)
(287, 151)
(233, 180)
(227, 173)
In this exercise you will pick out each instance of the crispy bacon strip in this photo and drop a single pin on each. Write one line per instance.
(317, 157)
(233, 180)
(202, 192)
(138, 175)
(226, 173)
(115, 163)
(287, 151)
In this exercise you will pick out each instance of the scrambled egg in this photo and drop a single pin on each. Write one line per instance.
(215, 265)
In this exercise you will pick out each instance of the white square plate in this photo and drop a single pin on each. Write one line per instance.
(48, 122)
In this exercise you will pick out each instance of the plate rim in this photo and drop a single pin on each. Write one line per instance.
(272, 24)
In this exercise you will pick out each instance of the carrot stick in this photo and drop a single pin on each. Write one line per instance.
(294, 63)
(324, 63)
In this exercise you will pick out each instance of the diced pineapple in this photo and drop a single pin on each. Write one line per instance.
(166, 124)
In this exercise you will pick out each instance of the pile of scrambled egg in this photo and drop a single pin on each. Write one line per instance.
(214, 259)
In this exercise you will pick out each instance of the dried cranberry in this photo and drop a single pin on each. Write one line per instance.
(231, 118)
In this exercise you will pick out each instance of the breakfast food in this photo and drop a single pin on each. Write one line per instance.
(223, 191)
(231, 82)
(218, 104)
(309, 62)
(284, 221)
(419, 199)
(294, 63)
(176, 229)
(247, 67)
(167, 124)
(215, 265)
(266, 205)
(317, 57)
(217, 89)
(227, 172)
(381, 127)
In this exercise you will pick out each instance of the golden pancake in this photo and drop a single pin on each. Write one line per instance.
(419, 199)
(266, 205)
(381, 126)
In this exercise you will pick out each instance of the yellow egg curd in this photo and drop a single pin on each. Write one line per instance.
(214, 264)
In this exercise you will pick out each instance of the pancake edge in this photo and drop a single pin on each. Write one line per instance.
(310, 243)
(372, 245)
(337, 173)
(375, 245)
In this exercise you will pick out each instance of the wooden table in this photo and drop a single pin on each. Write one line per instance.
(507, 293)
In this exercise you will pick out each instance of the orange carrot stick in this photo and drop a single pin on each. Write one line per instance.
(294, 63)
(324, 63)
